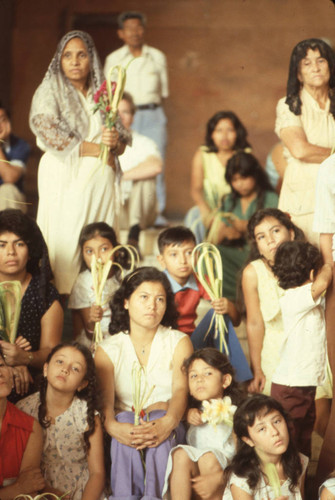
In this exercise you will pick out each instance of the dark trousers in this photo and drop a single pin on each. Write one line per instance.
(299, 403)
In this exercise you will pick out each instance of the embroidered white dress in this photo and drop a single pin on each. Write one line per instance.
(202, 439)
(64, 460)
(72, 194)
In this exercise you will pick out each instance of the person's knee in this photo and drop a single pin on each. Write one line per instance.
(209, 463)
(180, 458)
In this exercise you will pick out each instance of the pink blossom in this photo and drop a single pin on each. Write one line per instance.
(96, 96)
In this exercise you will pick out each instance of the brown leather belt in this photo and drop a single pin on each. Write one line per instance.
(153, 105)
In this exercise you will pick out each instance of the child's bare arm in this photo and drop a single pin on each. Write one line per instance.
(326, 495)
(255, 327)
(209, 486)
(322, 281)
(90, 315)
(95, 458)
(193, 416)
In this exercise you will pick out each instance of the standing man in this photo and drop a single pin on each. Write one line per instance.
(147, 82)
(14, 153)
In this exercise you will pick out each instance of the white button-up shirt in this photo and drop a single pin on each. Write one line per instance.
(147, 79)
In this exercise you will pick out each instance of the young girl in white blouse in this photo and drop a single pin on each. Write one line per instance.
(72, 457)
(214, 394)
(97, 239)
(263, 437)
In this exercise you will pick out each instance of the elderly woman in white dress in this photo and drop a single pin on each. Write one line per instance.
(306, 125)
(73, 191)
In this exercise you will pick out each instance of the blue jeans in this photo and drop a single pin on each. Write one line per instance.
(236, 355)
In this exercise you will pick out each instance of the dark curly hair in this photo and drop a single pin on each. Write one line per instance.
(220, 362)
(246, 462)
(283, 218)
(294, 85)
(120, 315)
(246, 165)
(15, 221)
(90, 231)
(241, 132)
(294, 260)
(88, 394)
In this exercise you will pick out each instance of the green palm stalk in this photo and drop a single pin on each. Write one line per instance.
(141, 393)
(207, 266)
(114, 100)
(273, 478)
(100, 272)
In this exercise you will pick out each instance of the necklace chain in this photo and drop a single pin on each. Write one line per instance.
(142, 349)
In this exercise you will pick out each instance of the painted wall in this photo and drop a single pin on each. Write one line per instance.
(222, 54)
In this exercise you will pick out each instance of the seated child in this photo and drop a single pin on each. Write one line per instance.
(72, 457)
(97, 239)
(210, 442)
(175, 246)
(263, 436)
(303, 359)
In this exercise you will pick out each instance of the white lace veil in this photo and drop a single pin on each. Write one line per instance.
(57, 116)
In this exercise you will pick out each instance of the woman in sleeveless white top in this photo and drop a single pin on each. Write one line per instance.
(143, 347)
(306, 125)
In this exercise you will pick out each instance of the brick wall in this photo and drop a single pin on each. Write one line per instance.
(222, 54)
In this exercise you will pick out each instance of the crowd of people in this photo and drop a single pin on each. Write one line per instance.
(161, 407)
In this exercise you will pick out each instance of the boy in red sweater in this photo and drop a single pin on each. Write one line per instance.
(176, 245)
